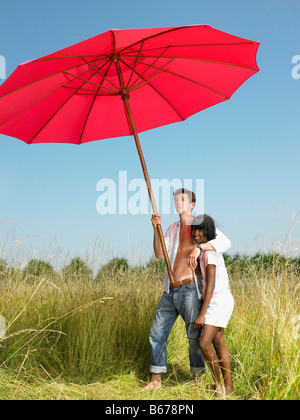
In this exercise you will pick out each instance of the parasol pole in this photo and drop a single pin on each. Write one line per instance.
(125, 96)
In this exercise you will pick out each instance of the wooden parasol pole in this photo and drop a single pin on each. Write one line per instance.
(126, 97)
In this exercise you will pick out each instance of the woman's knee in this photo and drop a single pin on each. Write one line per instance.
(219, 340)
(205, 345)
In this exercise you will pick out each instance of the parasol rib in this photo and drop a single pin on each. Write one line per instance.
(64, 85)
(183, 77)
(84, 80)
(157, 91)
(145, 71)
(44, 78)
(138, 56)
(154, 36)
(223, 44)
(199, 59)
(57, 111)
(106, 78)
(91, 107)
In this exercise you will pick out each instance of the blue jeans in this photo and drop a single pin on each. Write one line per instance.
(180, 301)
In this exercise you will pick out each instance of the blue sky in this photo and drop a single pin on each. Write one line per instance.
(246, 149)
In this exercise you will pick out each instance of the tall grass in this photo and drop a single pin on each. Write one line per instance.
(70, 335)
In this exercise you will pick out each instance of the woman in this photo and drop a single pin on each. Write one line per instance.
(217, 305)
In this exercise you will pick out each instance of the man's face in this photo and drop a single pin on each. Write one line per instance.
(183, 204)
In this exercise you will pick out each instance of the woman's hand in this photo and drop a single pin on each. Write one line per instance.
(199, 321)
(192, 258)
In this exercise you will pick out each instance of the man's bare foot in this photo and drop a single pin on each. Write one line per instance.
(151, 386)
(154, 384)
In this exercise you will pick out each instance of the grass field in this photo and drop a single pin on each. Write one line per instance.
(70, 335)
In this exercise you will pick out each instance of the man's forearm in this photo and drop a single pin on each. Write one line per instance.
(220, 244)
(206, 246)
(157, 245)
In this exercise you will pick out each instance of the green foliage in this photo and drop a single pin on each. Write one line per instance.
(116, 264)
(77, 269)
(3, 266)
(158, 266)
(115, 267)
(243, 264)
(37, 269)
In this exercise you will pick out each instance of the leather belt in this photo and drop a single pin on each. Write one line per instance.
(180, 283)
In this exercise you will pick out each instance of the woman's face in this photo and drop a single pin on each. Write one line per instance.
(199, 236)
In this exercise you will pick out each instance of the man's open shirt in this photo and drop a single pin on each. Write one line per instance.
(221, 244)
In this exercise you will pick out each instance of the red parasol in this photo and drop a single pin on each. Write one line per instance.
(123, 82)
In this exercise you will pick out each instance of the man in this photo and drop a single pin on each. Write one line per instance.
(183, 297)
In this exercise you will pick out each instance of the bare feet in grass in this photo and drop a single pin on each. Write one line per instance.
(151, 386)
(154, 384)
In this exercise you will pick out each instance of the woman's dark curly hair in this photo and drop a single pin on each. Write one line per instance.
(205, 223)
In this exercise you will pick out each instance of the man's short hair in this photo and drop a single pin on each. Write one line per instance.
(189, 193)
